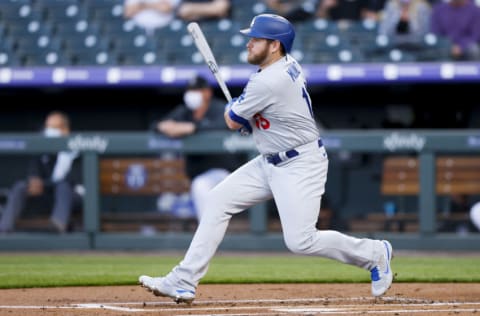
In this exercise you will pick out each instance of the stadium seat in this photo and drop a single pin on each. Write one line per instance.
(48, 58)
(37, 44)
(131, 43)
(394, 55)
(434, 48)
(8, 58)
(83, 42)
(18, 10)
(73, 28)
(60, 11)
(21, 29)
(105, 11)
(92, 58)
(147, 58)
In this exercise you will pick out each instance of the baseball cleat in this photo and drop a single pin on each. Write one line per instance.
(160, 287)
(381, 274)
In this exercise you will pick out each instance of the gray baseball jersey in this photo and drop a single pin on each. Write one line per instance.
(283, 118)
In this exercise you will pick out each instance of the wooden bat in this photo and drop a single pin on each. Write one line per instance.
(204, 49)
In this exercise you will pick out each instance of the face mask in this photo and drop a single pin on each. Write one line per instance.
(192, 99)
(52, 132)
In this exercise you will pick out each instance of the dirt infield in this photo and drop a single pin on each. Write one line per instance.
(250, 299)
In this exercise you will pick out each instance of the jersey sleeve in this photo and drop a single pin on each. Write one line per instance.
(255, 97)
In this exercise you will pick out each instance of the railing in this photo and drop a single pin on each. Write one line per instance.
(425, 143)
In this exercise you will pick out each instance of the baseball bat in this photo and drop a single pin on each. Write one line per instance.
(204, 49)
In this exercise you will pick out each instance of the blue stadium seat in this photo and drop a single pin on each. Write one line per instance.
(93, 58)
(21, 29)
(60, 11)
(86, 42)
(73, 28)
(434, 48)
(146, 58)
(8, 58)
(19, 11)
(393, 55)
(37, 44)
(47, 58)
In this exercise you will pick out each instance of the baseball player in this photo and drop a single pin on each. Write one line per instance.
(291, 168)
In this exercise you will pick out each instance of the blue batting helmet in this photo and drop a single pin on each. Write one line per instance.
(274, 27)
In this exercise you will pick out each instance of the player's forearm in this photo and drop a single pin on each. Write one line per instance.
(192, 11)
(161, 6)
(176, 129)
(231, 124)
(132, 9)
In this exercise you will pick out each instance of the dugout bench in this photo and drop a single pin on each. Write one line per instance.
(455, 177)
(135, 177)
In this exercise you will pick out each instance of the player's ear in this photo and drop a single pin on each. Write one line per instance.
(277, 46)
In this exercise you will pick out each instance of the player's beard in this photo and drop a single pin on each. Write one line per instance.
(258, 58)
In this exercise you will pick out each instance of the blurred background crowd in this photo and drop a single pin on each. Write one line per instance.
(147, 32)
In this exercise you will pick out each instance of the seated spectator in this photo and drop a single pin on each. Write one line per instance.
(475, 215)
(53, 177)
(150, 14)
(298, 10)
(347, 11)
(406, 22)
(196, 10)
(201, 111)
(459, 21)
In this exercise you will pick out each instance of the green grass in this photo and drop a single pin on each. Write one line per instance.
(21, 270)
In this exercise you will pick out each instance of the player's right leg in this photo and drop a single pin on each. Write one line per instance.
(242, 189)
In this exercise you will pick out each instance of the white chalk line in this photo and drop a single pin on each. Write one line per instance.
(341, 309)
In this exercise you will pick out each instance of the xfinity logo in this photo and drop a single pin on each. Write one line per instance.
(237, 142)
(397, 141)
(82, 143)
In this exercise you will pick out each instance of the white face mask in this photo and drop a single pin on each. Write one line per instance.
(52, 132)
(193, 99)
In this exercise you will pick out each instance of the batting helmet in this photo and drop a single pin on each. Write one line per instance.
(274, 27)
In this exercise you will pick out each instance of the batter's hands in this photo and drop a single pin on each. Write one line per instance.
(244, 131)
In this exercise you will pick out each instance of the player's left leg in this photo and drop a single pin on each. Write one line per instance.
(297, 186)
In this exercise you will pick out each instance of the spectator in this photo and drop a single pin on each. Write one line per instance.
(459, 21)
(196, 10)
(298, 10)
(201, 111)
(50, 177)
(475, 215)
(150, 14)
(348, 11)
(406, 22)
